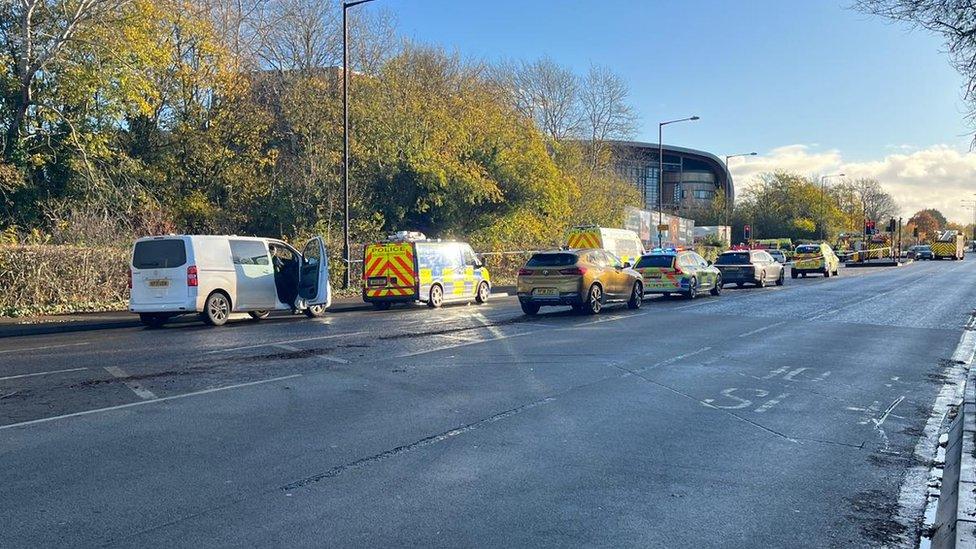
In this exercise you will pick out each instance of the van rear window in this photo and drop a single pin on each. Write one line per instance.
(159, 254)
(552, 260)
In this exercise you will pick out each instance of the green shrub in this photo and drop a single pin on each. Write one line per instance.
(62, 279)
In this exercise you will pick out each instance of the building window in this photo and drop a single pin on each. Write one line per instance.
(704, 195)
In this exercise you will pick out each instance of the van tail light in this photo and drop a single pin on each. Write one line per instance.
(573, 271)
(130, 279)
(191, 276)
(525, 272)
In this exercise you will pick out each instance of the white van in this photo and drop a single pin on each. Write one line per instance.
(217, 275)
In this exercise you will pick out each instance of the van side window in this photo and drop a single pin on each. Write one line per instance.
(470, 259)
(249, 252)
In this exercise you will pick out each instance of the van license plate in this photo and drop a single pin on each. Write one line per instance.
(545, 291)
(159, 283)
(376, 281)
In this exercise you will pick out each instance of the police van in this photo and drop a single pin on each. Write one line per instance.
(408, 267)
(623, 243)
(216, 275)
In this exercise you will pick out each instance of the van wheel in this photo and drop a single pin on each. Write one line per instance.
(636, 297)
(793, 274)
(315, 311)
(216, 309)
(152, 320)
(594, 300)
(436, 298)
(259, 315)
(530, 309)
(826, 273)
(382, 305)
(483, 292)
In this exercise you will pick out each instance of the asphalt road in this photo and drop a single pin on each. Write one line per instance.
(781, 417)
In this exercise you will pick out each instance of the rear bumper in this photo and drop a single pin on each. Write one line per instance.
(738, 276)
(183, 306)
(565, 298)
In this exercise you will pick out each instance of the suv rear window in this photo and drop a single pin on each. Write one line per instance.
(734, 258)
(655, 261)
(551, 260)
(159, 254)
(808, 249)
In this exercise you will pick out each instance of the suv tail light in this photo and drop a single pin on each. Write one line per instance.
(130, 279)
(191, 276)
(525, 272)
(576, 271)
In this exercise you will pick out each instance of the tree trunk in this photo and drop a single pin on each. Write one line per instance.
(14, 131)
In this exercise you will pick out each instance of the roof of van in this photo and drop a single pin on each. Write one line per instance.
(184, 236)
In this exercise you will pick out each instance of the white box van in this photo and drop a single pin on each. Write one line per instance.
(217, 275)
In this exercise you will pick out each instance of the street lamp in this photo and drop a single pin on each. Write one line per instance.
(728, 203)
(346, 4)
(823, 191)
(660, 173)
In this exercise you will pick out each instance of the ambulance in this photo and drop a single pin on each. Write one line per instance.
(409, 267)
(624, 244)
(951, 244)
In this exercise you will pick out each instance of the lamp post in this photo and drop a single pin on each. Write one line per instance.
(728, 203)
(660, 173)
(346, 4)
(823, 192)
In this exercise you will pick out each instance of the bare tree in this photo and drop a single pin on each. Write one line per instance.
(877, 204)
(547, 93)
(34, 34)
(954, 20)
(300, 35)
(604, 101)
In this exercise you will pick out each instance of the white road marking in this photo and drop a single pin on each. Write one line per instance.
(771, 402)
(142, 402)
(44, 347)
(285, 342)
(136, 387)
(763, 329)
(323, 357)
(42, 373)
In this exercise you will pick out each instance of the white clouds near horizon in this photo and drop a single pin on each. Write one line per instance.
(937, 177)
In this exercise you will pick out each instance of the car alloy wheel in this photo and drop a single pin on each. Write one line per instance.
(217, 309)
(594, 302)
(636, 296)
(436, 298)
(717, 289)
(483, 292)
(692, 289)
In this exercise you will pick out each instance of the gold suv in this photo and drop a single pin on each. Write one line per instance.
(584, 279)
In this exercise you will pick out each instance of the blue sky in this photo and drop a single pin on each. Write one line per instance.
(762, 74)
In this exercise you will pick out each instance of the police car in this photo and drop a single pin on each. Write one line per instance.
(670, 271)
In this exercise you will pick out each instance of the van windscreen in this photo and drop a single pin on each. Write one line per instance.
(159, 254)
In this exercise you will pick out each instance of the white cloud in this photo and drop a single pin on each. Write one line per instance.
(937, 177)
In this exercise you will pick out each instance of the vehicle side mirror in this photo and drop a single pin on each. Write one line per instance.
(627, 265)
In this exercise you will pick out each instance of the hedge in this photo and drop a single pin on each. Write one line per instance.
(48, 279)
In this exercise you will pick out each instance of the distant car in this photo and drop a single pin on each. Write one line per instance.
(923, 252)
(585, 279)
(685, 273)
(750, 267)
(815, 258)
(778, 255)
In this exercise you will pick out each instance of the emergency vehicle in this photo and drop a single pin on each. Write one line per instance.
(815, 258)
(623, 243)
(951, 244)
(408, 267)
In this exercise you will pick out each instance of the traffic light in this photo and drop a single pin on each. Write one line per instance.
(747, 233)
(891, 225)
(869, 227)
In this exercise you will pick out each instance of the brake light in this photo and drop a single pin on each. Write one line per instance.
(525, 272)
(130, 279)
(191, 276)
(575, 271)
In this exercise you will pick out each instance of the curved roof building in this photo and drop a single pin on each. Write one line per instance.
(692, 178)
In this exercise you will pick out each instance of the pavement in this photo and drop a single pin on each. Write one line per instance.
(788, 416)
